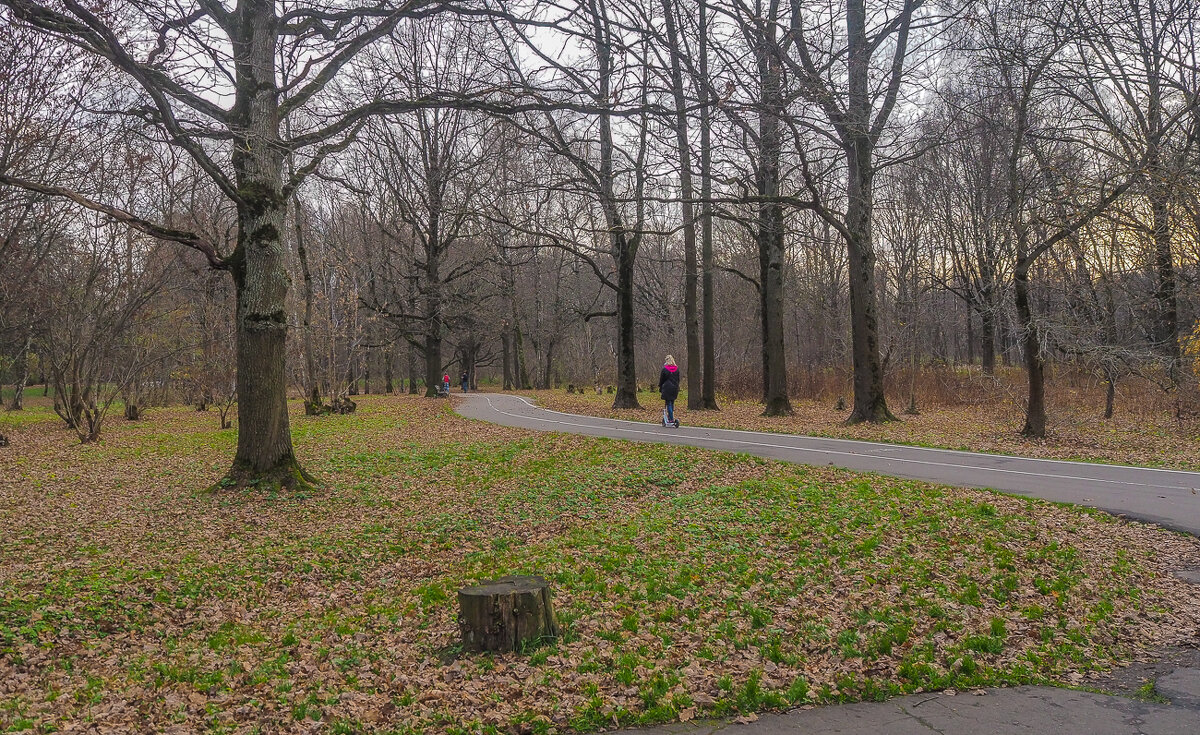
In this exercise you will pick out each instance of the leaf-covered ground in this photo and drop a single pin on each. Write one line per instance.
(688, 582)
(1150, 439)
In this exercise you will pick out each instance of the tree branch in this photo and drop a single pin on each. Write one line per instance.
(183, 237)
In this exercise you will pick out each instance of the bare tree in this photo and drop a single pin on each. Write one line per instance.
(857, 94)
(177, 54)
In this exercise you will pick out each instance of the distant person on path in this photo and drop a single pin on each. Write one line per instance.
(668, 386)
(446, 383)
(464, 381)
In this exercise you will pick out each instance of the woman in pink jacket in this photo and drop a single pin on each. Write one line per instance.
(668, 387)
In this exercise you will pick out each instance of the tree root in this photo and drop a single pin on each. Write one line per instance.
(286, 476)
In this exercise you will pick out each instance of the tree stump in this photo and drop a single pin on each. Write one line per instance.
(4, 440)
(506, 613)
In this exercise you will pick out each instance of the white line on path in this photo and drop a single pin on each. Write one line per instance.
(835, 452)
(884, 445)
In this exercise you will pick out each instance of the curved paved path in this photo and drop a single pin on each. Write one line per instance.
(1168, 497)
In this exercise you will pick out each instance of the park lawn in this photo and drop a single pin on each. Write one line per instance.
(1139, 438)
(689, 583)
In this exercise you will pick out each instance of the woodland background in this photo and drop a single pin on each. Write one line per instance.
(1014, 182)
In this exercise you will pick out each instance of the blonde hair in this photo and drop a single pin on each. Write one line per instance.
(670, 360)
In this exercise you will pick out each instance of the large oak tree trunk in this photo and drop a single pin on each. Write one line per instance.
(260, 279)
(259, 265)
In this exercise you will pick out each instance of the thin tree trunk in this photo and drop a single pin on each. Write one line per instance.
(1110, 395)
(389, 358)
(506, 358)
(709, 387)
(519, 359)
(1166, 331)
(770, 227)
(695, 399)
(473, 372)
(869, 401)
(412, 370)
(18, 399)
(970, 335)
(313, 394)
(626, 395)
(433, 306)
(1035, 366)
(1166, 326)
(433, 363)
(987, 339)
(547, 377)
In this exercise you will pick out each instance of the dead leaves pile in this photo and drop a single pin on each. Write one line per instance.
(689, 582)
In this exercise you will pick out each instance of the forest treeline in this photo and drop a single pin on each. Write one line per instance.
(216, 202)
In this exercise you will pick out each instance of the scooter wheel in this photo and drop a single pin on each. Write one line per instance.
(676, 423)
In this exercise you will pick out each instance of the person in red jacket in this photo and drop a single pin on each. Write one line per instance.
(668, 387)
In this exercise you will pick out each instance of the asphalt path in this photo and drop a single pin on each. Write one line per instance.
(1170, 498)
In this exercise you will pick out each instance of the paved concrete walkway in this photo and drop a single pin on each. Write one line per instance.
(1168, 497)
(1019, 711)
(1165, 497)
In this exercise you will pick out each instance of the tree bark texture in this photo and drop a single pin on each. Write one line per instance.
(1035, 365)
(708, 326)
(506, 614)
(695, 398)
(506, 358)
(433, 313)
(771, 248)
(312, 400)
(18, 398)
(987, 339)
(412, 370)
(869, 401)
(259, 264)
(1167, 317)
(626, 395)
